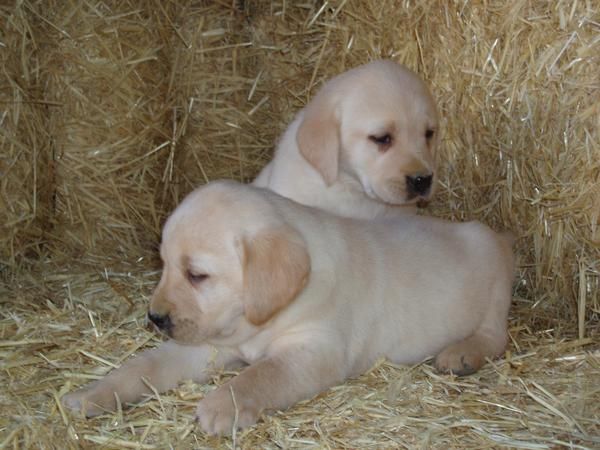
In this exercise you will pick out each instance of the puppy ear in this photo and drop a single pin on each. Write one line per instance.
(318, 136)
(276, 268)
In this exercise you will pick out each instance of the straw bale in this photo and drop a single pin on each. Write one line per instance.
(26, 173)
(221, 107)
(109, 69)
(110, 112)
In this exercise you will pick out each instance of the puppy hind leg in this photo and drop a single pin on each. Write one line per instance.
(488, 341)
(490, 338)
(467, 356)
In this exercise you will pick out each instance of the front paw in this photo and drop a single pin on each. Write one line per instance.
(216, 413)
(91, 400)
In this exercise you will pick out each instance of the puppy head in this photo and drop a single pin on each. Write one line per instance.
(228, 261)
(379, 124)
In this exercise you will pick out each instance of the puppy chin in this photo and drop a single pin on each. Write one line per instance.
(187, 339)
(379, 195)
(187, 334)
(393, 196)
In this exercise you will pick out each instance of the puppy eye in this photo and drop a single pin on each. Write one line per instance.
(196, 278)
(384, 139)
(429, 133)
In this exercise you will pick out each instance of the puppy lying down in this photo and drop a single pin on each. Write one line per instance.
(305, 299)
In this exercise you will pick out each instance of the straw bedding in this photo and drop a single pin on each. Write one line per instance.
(110, 112)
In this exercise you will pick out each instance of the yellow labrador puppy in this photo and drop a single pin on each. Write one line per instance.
(364, 144)
(306, 299)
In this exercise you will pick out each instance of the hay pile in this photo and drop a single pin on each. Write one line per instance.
(110, 112)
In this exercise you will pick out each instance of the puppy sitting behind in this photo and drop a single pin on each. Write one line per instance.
(306, 299)
(362, 147)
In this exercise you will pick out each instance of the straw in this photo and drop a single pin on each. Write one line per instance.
(111, 112)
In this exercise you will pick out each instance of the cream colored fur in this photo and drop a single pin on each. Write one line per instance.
(329, 158)
(305, 299)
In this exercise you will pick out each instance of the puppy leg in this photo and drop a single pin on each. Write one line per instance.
(467, 356)
(490, 338)
(163, 367)
(488, 341)
(275, 382)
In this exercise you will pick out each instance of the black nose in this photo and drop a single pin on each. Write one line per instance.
(162, 322)
(419, 185)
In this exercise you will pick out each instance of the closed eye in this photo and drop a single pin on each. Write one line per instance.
(383, 140)
(196, 278)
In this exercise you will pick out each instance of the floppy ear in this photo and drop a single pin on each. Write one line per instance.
(276, 268)
(318, 136)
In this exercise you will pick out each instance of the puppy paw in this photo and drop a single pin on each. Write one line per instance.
(459, 360)
(92, 400)
(216, 413)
